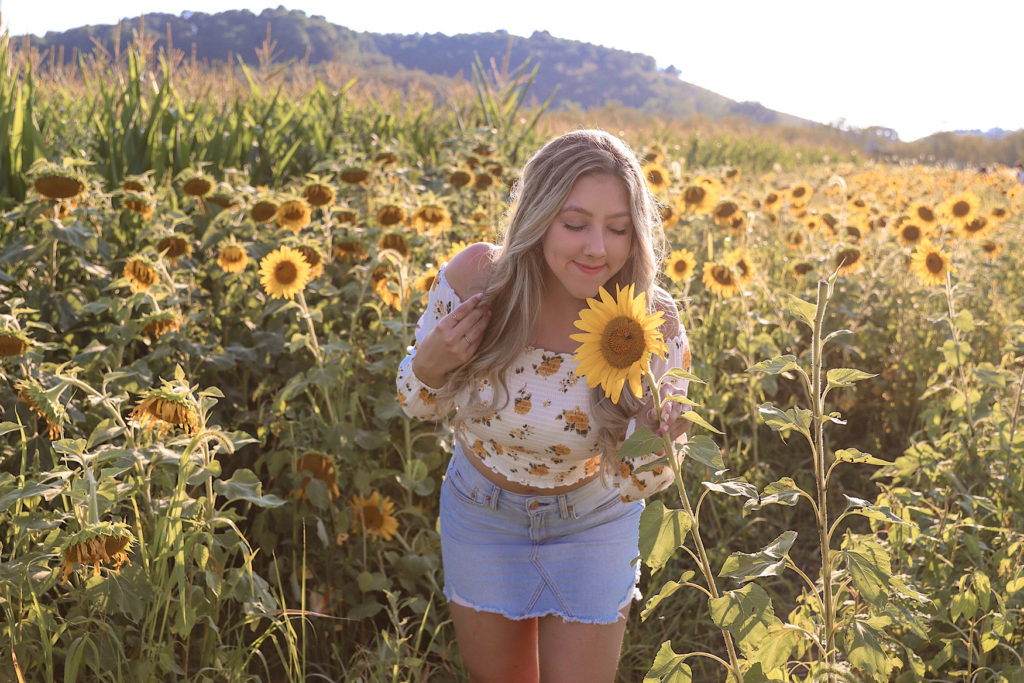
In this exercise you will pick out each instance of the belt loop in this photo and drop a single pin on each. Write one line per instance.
(563, 506)
(492, 498)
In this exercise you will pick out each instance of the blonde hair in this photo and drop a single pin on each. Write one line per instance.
(516, 284)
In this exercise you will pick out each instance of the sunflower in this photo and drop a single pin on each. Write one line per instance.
(680, 264)
(317, 466)
(961, 208)
(105, 542)
(396, 242)
(263, 210)
(849, 261)
(223, 200)
(740, 264)
(284, 273)
(772, 201)
(617, 341)
(998, 215)
(454, 249)
(731, 175)
(482, 180)
(198, 185)
(800, 195)
(59, 185)
(232, 258)
(699, 198)
(349, 250)
(390, 214)
(719, 278)
(923, 215)
(158, 324)
(294, 215)
(909, 232)
(140, 273)
(386, 287)
(12, 342)
(165, 408)
(314, 259)
(174, 246)
(318, 194)
(802, 269)
(669, 215)
(794, 239)
(354, 175)
(930, 264)
(991, 249)
(725, 212)
(375, 515)
(974, 228)
(134, 184)
(657, 177)
(45, 404)
(425, 282)
(459, 177)
(431, 218)
(345, 216)
(139, 204)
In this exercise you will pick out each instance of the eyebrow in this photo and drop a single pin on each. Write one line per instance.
(580, 209)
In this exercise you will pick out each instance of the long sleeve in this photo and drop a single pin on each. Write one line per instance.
(634, 485)
(417, 399)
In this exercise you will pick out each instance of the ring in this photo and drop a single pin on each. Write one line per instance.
(466, 338)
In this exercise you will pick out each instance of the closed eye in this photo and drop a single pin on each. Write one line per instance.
(575, 228)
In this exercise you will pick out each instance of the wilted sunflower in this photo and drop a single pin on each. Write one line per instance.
(135, 184)
(232, 257)
(390, 214)
(482, 180)
(156, 325)
(619, 336)
(395, 242)
(375, 515)
(849, 261)
(354, 175)
(165, 408)
(974, 228)
(198, 185)
(314, 259)
(59, 185)
(739, 262)
(139, 204)
(12, 342)
(431, 218)
(657, 177)
(45, 404)
(460, 177)
(284, 273)
(294, 215)
(930, 264)
(425, 282)
(680, 264)
(105, 542)
(719, 278)
(140, 273)
(263, 210)
(349, 250)
(317, 466)
(794, 239)
(724, 213)
(802, 269)
(173, 247)
(345, 216)
(829, 221)
(222, 200)
(961, 208)
(318, 194)
(386, 286)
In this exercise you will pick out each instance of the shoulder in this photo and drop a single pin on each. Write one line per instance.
(468, 271)
(663, 301)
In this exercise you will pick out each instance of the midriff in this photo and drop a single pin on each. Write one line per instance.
(522, 489)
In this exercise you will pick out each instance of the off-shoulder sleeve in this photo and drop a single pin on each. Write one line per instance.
(634, 485)
(417, 399)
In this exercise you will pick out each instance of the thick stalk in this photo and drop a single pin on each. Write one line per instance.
(959, 361)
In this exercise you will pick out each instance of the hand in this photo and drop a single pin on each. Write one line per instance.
(668, 421)
(452, 342)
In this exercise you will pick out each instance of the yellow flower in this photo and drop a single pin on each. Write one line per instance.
(159, 324)
(657, 177)
(375, 515)
(699, 198)
(165, 408)
(795, 239)
(800, 195)
(315, 465)
(961, 208)
(198, 185)
(849, 261)
(262, 211)
(172, 247)
(923, 215)
(313, 258)
(431, 218)
(910, 232)
(991, 249)
(680, 265)
(98, 543)
(294, 215)
(454, 249)
(386, 286)
(349, 250)
(459, 177)
(425, 281)
(141, 275)
(739, 263)
(617, 341)
(284, 273)
(719, 278)
(232, 258)
(930, 264)
(975, 227)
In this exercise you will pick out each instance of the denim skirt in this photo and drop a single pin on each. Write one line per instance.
(573, 555)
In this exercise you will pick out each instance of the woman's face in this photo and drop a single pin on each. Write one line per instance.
(590, 238)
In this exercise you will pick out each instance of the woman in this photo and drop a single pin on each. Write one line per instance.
(539, 519)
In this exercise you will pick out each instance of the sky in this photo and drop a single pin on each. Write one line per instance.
(917, 67)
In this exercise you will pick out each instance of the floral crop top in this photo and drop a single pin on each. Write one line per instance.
(543, 436)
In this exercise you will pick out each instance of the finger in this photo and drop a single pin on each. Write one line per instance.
(464, 310)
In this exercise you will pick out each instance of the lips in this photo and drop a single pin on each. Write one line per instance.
(589, 270)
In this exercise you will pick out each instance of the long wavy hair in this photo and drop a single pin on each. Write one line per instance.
(516, 285)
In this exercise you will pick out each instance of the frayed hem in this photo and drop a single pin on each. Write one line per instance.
(457, 599)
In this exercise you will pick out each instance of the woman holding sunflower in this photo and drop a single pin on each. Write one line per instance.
(539, 516)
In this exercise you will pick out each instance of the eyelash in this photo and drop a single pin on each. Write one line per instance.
(576, 228)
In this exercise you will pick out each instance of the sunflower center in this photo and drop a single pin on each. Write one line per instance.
(722, 275)
(976, 225)
(799, 192)
(622, 342)
(372, 518)
(681, 267)
(285, 272)
(694, 194)
(925, 214)
(961, 209)
(934, 263)
(912, 233)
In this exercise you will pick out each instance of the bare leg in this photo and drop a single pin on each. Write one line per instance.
(573, 652)
(496, 649)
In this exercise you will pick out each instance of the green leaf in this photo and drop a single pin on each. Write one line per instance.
(800, 309)
(641, 442)
(668, 667)
(769, 561)
(775, 366)
(865, 651)
(705, 451)
(1015, 585)
(963, 603)
(956, 354)
(782, 492)
(794, 418)
(696, 419)
(777, 646)
(7, 427)
(733, 487)
(853, 455)
(868, 564)
(245, 485)
(845, 377)
(746, 613)
(661, 531)
(679, 373)
(668, 589)
(983, 589)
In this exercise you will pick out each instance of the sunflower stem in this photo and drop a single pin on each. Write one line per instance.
(959, 361)
(314, 346)
(705, 564)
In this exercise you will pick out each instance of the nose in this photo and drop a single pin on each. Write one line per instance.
(595, 242)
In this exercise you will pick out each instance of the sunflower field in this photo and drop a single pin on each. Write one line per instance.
(206, 287)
